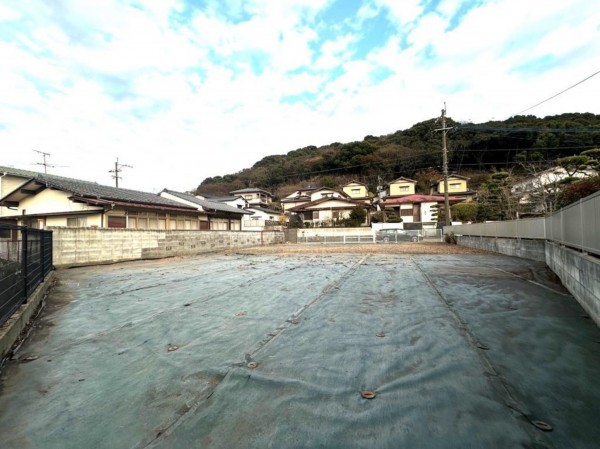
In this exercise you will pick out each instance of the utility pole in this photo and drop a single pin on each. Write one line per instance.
(118, 169)
(45, 163)
(444, 130)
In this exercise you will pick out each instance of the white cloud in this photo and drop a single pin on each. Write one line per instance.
(178, 97)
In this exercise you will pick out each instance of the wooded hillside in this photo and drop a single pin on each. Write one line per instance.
(474, 150)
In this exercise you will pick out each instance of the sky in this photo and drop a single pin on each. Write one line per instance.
(183, 90)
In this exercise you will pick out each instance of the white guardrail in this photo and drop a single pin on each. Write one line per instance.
(577, 225)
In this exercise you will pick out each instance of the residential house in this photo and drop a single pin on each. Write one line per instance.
(261, 217)
(458, 188)
(358, 192)
(401, 187)
(415, 208)
(307, 195)
(40, 200)
(327, 210)
(537, 194)
(10, 179)
(326, 192)
(297, 198)
(221, 216)
(254, 196)
(236, 201)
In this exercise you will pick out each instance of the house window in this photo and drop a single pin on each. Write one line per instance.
(77, 222)
(455, 186)
(115, 221)
(315, 215)
(406, 212)
(403, 188)
(355, 190)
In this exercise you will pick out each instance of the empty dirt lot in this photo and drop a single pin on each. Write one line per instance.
(457, 348)
(390, 248)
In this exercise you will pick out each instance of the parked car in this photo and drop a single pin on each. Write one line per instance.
(396, 235)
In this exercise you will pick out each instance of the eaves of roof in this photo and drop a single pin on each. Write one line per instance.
(85, 189)
(103, 202)
(318, 202)
(207, 204)
(250, 190)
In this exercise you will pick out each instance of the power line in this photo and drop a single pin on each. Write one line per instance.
(560, 93)
(476, 150)
(550, 130)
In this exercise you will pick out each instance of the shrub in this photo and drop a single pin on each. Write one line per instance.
(450, 238)
(465, 211)
(578, 190)
(295, 222)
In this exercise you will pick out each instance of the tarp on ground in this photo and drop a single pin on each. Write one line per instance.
(274, 352)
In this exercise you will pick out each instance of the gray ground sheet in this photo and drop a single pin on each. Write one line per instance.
(465, 351)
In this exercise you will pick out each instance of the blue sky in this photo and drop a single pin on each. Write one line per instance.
(182, 90)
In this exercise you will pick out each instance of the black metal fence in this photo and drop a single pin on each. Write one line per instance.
(25, 260)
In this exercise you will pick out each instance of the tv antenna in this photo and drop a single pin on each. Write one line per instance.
(118, 169)
(45, 163)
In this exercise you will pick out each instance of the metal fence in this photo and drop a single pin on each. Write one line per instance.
(25, 260)
(337, 239)
(577, 226)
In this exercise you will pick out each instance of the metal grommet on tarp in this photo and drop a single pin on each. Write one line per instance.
(368, 394)
(252, 365)
(240, 313)
(172, 348)
(542, 425)
(380, 334)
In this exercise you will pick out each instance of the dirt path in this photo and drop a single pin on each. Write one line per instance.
(396, 248)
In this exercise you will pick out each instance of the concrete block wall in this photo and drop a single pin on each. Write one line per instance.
(83, 246)
(579, 273)
(524, 248)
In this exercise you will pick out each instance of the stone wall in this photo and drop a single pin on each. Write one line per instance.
(580, 273)
(84, 246)
(524, 248)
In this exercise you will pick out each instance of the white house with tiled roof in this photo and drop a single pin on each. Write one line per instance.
(39, 200)
(255, 196)
(221, 216)
(327, 210)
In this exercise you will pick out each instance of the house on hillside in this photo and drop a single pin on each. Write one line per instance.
(358, 192)
(39, 200)
(327, 210)
(310, 194)
(401, 187)
(458, 188)
(537, 194)
(222, 217)
(415, 208)
(254, 196)
(297, 198)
